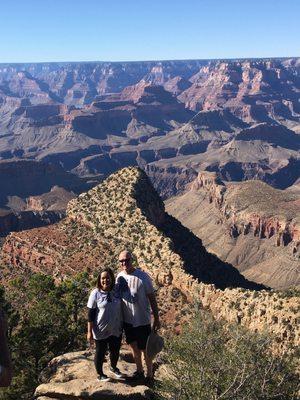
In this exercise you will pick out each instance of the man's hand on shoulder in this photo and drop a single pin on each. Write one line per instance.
(121, 284)
(134, 284)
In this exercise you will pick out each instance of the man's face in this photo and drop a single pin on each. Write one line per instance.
(126, 262)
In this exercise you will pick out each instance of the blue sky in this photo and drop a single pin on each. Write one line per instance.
(89, 30)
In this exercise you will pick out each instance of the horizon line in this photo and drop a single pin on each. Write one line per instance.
(153, 60)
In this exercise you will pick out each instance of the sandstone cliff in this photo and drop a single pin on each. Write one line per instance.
(249, 224)
(244, 87)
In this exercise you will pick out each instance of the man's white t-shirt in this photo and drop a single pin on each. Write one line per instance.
(134, 289)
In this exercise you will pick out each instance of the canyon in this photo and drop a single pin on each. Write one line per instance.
(65, 127)
(237, 117)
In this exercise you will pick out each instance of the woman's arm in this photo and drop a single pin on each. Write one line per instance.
(91, 318)
(89, 335)
(5, 361)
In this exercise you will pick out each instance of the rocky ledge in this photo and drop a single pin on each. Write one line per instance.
(72, 376)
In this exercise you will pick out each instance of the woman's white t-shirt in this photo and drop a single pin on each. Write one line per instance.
(108, 319)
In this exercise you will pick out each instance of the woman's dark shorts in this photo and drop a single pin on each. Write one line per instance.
(138, 334)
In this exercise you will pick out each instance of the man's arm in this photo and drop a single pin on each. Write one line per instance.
(127, 291)
(154, 308)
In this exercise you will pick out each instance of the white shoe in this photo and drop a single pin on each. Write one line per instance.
(117, 373)
(103, 378)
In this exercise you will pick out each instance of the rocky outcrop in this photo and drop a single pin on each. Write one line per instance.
(42, 114)
(56, 199)
(123, 114)
(73, 376)
(34, 194)
(125, 212)
(275, 134)
(256, 310)
(177, 85)
(212, 184)
(260, 223)
(24, 178)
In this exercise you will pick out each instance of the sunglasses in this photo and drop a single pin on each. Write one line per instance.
(126, 260)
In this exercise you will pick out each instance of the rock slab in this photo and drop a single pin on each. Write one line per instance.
(73, 376)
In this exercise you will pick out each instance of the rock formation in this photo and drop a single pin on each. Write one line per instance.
(73, 376)
(246, 88)
(11, 221)
(249, 224)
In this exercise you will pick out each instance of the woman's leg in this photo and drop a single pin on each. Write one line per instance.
(101, 347)
(114, 344)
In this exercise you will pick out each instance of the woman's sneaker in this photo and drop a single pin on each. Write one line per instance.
(117, 373)
(103, 378)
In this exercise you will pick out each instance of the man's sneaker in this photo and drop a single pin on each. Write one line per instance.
(149, 381)
(136, 376)
(117, 373)
(103, 378)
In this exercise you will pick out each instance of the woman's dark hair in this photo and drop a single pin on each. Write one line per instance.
(112, 278)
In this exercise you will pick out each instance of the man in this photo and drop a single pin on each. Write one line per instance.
(137, 298)
(5, 362)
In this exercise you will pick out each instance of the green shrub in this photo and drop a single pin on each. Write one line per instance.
(45, 320)
(212, 361)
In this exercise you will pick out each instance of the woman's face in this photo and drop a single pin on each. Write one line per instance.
(105, 281)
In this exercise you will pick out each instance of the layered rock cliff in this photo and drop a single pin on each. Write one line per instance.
(246, 88)
(94, 118)
(34, 194)
(249, 224)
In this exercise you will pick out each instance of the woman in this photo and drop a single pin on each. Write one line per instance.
(5, 361)
(105, 323)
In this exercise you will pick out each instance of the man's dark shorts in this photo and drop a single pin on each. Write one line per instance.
(137, 334)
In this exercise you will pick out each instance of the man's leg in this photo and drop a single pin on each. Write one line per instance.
(137, 355)
(143, 334)
(131, 335)
(149, 365)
